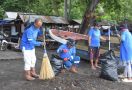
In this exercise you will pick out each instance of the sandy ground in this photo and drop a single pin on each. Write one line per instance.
(11, 77)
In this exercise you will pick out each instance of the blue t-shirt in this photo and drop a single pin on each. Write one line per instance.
(29, 38)
(71, 51)
(95, 37)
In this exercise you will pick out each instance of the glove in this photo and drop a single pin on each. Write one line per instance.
(71, 57)
(65, 50)
(65, 59)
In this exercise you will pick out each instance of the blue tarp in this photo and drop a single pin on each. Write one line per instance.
(3, 22)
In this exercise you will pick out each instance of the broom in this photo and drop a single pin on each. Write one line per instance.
(46, 71)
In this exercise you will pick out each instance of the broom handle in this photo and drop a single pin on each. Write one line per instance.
(109, 35)
(44, 40)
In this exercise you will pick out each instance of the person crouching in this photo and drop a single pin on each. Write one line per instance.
(67, 52)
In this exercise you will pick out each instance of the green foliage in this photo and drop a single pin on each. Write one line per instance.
(78, 8)
(1, 12)
(107, 9)
(117, 9)
(11, 5)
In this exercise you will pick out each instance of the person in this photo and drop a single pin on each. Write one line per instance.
(126, 52)
(28, 43)
(67, 52)
(94, 45)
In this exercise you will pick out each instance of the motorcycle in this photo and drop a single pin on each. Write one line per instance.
(3, 41)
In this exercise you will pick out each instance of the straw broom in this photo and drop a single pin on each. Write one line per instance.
(46, 71)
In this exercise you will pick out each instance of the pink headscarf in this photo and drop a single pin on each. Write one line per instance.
(123, 28)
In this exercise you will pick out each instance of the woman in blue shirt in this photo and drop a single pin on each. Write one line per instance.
(94, 45)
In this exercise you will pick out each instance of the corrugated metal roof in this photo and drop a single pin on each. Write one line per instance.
(46, 19)
(73, 22)
(12, 15)
(78, 21)
(31, 17)
(8, 19)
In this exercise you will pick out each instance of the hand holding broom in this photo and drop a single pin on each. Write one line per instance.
(46, 71)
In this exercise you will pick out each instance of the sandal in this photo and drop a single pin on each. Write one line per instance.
(35, 76)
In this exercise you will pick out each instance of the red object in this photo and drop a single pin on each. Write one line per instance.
(65, 59)
(65, 50)
(66, 34)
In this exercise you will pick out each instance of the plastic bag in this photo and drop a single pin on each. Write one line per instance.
(57, 64)
(109, 66)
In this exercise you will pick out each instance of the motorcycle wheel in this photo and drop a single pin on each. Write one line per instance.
(4, 47)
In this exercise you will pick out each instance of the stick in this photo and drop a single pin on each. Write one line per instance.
(109, 35)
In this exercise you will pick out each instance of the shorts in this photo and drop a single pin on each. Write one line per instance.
(29, 58)
(94, 52)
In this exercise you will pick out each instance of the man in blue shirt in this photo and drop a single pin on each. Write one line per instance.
(94, 44)
(28, 43)
(67, 53)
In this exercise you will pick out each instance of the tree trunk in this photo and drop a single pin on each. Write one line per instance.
(69, 9)
(65, 9)
(88, 17)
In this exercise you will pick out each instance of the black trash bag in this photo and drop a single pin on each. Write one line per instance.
(109, 66)
(57, 64)
(120, 67)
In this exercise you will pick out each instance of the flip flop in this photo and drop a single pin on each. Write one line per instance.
(126, 80)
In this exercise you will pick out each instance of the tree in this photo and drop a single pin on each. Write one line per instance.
(55, 7)
(76, 9)
(88, 16)
(65, 9)
(111, 7)
(1, 12)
